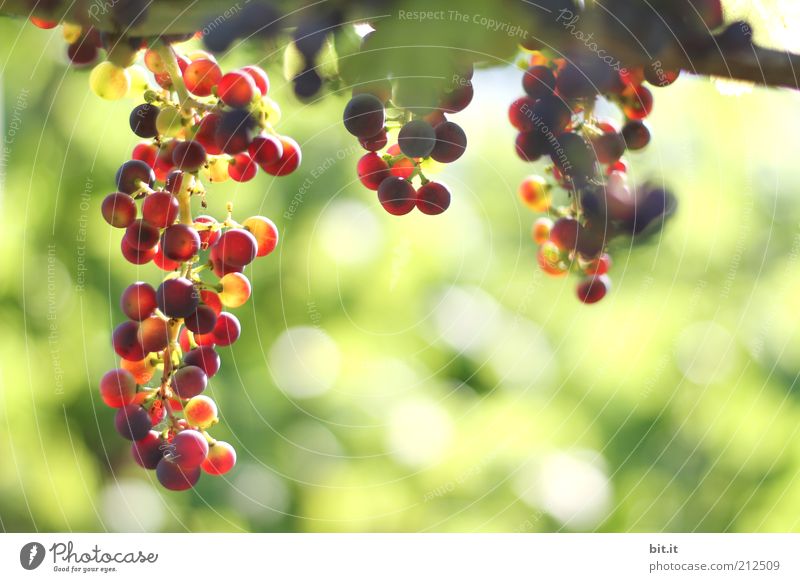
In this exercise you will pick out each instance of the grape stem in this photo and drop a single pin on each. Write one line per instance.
(174, 327)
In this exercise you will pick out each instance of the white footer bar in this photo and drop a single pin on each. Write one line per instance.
(402, 557)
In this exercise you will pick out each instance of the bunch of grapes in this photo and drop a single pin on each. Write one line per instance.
(556, 119)
(200, 125)
(381, 112)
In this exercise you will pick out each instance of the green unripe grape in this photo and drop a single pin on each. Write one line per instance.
(169, 122)
(271, 109)
(109, 81)
(139, 82)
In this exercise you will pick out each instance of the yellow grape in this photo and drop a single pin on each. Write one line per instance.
(139, 82)
(109, 81)
(217, 170)
(169, 122)
(71, 32)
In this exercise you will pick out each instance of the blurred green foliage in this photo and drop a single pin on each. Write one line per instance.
(433, 379)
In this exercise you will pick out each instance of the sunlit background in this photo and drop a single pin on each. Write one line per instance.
(419, 373)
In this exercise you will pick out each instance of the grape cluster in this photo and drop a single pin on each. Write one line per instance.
(421, 137)
(556, 120)
(200, 124)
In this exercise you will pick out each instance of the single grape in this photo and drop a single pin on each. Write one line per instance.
(206, 133)
(306, 84)
(119, 210)
(201, 76)
(539, 82)
(599, 266)
(235, 131)
(172, 477)
(433, 198)
(265, 232)
(134, 255)
(143, 120)
(154, 62)
(132, 422)
(153, 334)
(637, 102)
(109, 81)
(227, 329)
(141, 370)
(189, 448)
(163, 262)
(541, 230)
(530, 146)
(177, 297)
(636, 135)
(138, 301)
(573, 157)
(660, 77)
(242, 168)
(221, 458)
(82, 53)
(189, 381)
(205, 358)
(289, 161)
(174, 180)
(160, 209)
(170, 122)
(212, 299)
(163, 165)
(146, 153)
(364, 116)
(397, 196)
(376, 142)
(520, 114)
(417, 139)
(372, 170)
(266, 150)
(189, 156)
(237, 89)
(200, 411)
(259, 77)
(235, 290)
(125, 340)
(180, 242)
(534, 191)
(593, 289)
(550, 262)
(458, 99)
(141, 235)
(133, 175)
(117, 388)
(202, 320)
(451, 142)
(208, 236)
(608, 147)
(575, 82)
(147, 452)
(237, 247)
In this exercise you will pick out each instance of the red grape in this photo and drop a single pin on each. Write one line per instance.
(119, 210)
(172, 477)
(397, 196)
(117, 388)
(189, 381)
(138, 301)
(160, 209)
(177, 297)
(132, 422)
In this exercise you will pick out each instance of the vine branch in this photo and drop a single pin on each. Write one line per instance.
(759, 65)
